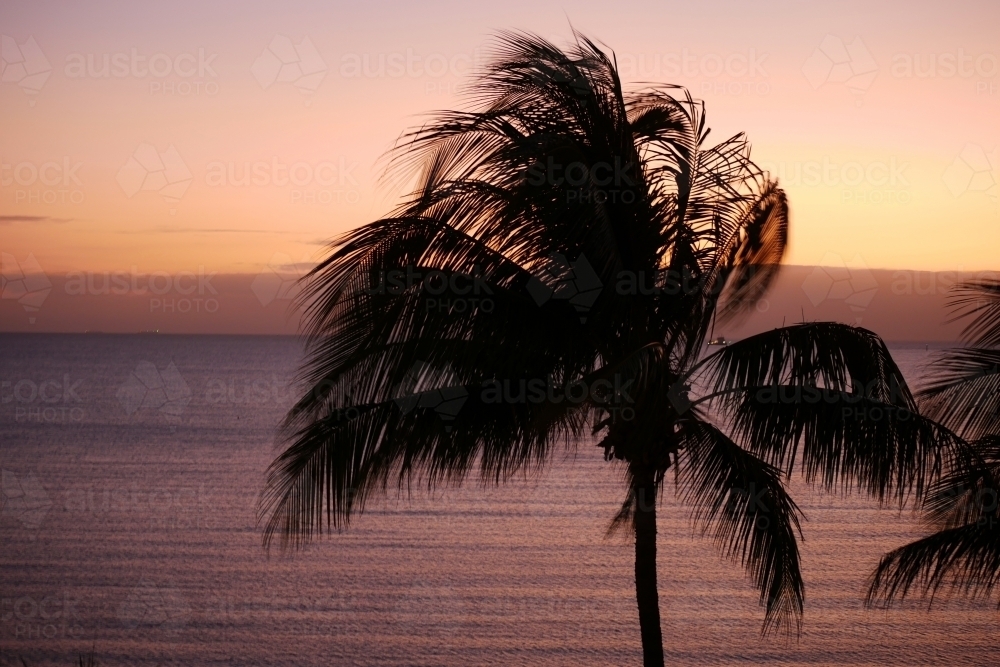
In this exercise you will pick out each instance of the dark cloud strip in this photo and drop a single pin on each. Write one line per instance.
(11, 219)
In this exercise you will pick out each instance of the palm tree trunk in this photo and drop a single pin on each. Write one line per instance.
(646, 594)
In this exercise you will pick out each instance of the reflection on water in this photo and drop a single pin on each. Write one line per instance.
(131, 466)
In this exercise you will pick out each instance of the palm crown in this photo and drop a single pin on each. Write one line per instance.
(963, 393)
(556, 271)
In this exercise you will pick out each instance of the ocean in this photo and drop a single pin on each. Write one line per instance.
(131, 466)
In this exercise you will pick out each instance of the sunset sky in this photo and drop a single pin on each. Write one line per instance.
(880, 119)
(225, 444)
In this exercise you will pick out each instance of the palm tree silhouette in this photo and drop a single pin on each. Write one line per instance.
(963, 393)
(565, 253)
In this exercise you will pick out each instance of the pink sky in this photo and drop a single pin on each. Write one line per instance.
(880, 119)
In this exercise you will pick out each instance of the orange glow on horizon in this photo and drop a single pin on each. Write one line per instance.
(895, 161)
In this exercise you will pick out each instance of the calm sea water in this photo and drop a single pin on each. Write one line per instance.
(131, 467)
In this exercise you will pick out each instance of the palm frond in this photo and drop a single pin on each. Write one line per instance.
(741, 500)
(758, 248)
(432, 433)
(963, 390)
(980, 301)
(841, 439)
(366, 336)
(970, 489)
(824, 355)
(965, 558)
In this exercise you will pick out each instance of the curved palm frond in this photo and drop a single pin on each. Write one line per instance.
(965, 558)
(879, 448)
(980, 301)
(824, 355)
(963, 390)
(367, 332)
(741, 500)
(758, 253)
(970, 490)
(431, 433)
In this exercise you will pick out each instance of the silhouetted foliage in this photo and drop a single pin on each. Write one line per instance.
(963, 392)
(610, 236)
